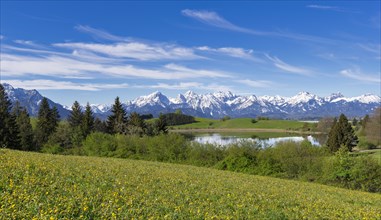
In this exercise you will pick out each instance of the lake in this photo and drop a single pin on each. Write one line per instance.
(264, 139)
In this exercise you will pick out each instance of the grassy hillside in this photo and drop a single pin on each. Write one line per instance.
(44, 186)
(244, 123)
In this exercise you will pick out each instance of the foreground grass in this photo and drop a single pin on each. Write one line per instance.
(44, 186)
(204, 123)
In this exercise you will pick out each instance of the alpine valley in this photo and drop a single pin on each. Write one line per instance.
(304, 105)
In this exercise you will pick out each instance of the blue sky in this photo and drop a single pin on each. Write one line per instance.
(95, 51)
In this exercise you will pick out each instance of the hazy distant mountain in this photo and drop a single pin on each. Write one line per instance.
(216, 105)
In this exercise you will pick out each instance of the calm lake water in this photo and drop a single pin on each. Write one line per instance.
(224, 139)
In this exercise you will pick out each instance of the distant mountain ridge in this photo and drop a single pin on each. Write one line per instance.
(30, 99)
(304, 105)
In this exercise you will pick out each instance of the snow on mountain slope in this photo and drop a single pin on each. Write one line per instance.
(219, 104)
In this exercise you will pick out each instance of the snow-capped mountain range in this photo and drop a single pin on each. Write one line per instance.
(216, 105)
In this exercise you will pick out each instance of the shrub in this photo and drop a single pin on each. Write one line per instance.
(240, 157)
(99, 144)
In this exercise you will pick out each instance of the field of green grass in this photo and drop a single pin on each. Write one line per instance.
(205, 123)
(43, 186)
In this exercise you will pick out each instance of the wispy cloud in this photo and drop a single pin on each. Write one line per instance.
(324, 7)
(232, 52)
(97, 33)
(288, 67)
(256, 83)
(27, 43)
(176, 86)
(70, 67)
(331, 8)
(135, 50)
(358, 75)
(374, 48)
(63, 85)
(212, 87)
(213, 19)
(2, 37)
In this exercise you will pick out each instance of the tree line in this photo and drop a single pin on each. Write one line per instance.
(17, 133)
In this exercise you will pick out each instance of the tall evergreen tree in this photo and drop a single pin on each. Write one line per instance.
(136, 124)
(88, 121)
(160, 125)
(9, 132)
(117, 121)
(54, 118)
(25, 128)
(76, 115)
(341, 134)
(333, 141)
(47, 122)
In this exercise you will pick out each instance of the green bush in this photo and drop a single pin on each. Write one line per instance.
(206, 155)
(99, 144)
(240, 157)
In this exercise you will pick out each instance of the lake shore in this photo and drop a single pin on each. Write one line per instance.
(208, 130)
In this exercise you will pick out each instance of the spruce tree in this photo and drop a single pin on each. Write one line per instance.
(341, 134)
(333, 141)
(54, 118)
(47, 122)
(88, 121)
(160, 125)
(9, 132)
(117, 121)
(136, 124)
(76, 115)
(25, 128)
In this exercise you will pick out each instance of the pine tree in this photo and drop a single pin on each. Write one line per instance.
(9, 132)
(88, 121)
(333, 141)
(117, 121)
(160, 125)
(47, 122)
(25, 128)
(54, 118)
(100, 126)
(76, 115)
(136, 124)
(341, 134)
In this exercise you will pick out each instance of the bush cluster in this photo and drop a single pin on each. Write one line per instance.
(291, 160)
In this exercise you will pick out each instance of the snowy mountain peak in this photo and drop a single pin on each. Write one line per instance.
(190, 94)
(219, 104)
(334, 96)
(152, 99)
(178, 100)
(302, 97)
(368, 98)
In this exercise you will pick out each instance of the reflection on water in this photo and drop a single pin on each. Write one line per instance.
(223, 140)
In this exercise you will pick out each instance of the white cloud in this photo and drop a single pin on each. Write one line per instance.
(2, 37)
(256, 83)
(232, 52)
(62, 85)
(27, 43)
(213, 19)
(135, 50)
(322, 7)
(287, 67)
(358, 75)
(331, 8)
(99, 33)
(373, 48)
(176, 86)
(70, 67)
